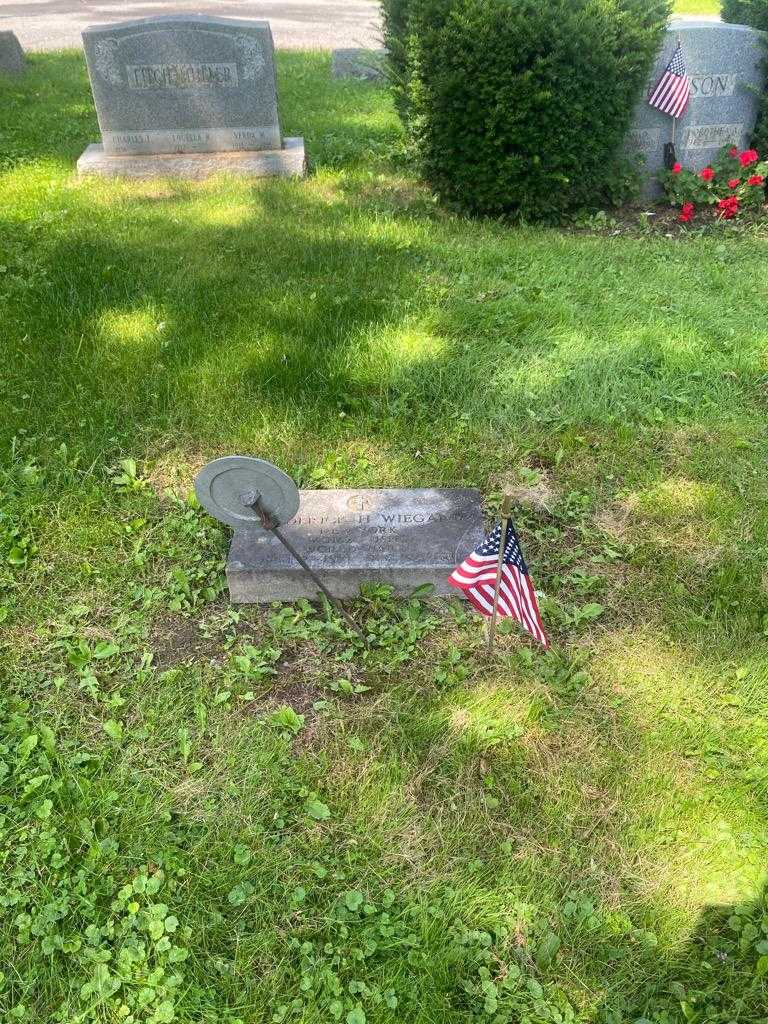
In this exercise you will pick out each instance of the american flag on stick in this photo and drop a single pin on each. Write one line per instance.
(479, 574)
(673, 89)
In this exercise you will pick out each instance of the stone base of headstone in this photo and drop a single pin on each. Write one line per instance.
(403, 538)
(366, 65)
(11, 54)
(288, 162)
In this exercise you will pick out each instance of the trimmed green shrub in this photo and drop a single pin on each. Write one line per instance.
(521, 106)
(746, 12)
(754, 13)
(394, 15)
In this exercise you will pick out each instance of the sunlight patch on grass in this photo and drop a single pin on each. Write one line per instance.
(676, 500)
(385, 353)
(138, 327)
(652, 675)
(704, 864)
(27, 182)
(693, 517)
(230, 214)
(485, 717)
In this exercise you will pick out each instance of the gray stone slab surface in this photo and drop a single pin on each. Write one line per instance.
(288, 162)
(400, 537)
(356, 62)
(184, 84)
(11, 54)
(724, 64)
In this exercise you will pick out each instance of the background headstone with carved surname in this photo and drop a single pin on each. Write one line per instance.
(724, 64)
(184, 84)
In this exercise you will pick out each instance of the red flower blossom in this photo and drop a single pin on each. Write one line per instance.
(687, 211)
(676, 168)
(728, 208)
(733, 151)
(707, 174)
(734, 182)
(747, 157)
(756, 179)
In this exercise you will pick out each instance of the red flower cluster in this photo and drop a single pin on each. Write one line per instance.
(724, 185)
(728, 208)
(749, 156)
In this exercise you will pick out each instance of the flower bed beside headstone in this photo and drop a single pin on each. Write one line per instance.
(733, 183)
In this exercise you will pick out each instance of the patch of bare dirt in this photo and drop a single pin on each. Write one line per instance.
(167, 473)
(299, 694)
(175, 639)
(615, 522)
(540, 494)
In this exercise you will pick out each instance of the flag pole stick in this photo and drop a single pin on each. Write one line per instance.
(506, 512)
(678, 42)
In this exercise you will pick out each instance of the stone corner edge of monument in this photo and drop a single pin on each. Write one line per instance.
(13, 59)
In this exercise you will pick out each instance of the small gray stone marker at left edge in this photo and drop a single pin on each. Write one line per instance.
(186, 95)
(11, 54)
(356, 62)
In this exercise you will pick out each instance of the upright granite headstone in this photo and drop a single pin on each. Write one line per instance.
(400, 537)
(11, 54)
(186, 95)
(724, 64)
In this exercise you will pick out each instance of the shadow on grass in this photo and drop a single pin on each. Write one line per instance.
(194, 316)
(718, 975)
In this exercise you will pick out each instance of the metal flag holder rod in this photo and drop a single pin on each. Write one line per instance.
(670, 154)
(274, 528)
(506, 513)
(244, 492)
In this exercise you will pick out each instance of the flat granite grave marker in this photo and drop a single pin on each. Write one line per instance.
(186, 96)
(356, 62)
(404, 538)
(724, 64)
(11, 54)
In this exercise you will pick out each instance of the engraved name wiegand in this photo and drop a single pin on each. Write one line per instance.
(192, 75)
(372, 525)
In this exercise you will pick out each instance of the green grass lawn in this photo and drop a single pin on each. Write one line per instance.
(692, 7)
(211, 815)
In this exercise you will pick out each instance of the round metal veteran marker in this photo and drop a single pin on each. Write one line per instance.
(232, 488)
(248, 493)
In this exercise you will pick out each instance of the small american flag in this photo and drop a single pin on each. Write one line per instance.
(673, 90)
(476, 576)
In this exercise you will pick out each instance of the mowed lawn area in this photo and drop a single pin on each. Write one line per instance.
(690, 8)
(212, 814)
